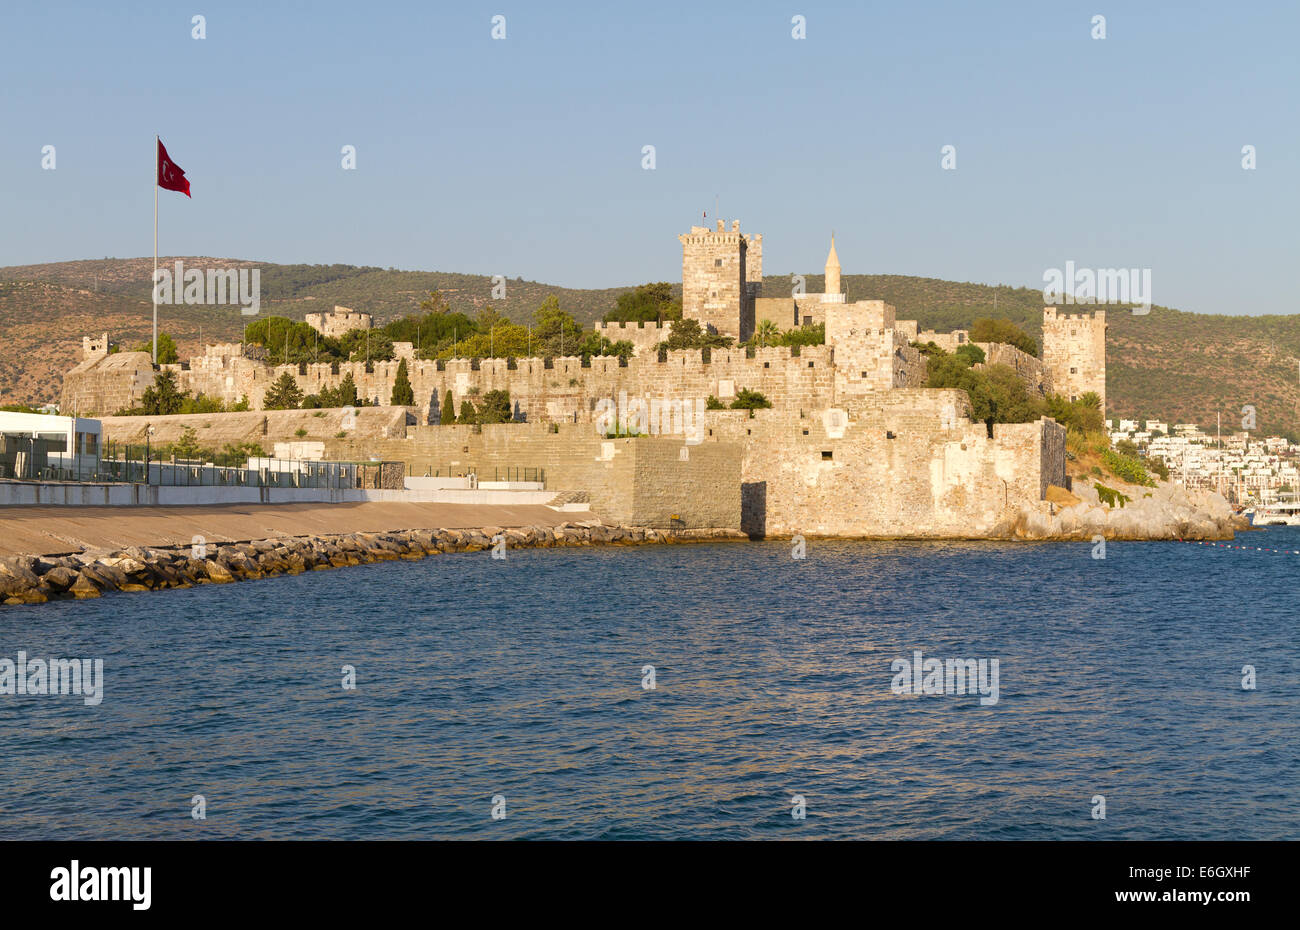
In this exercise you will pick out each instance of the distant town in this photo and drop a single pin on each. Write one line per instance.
(1244, 469)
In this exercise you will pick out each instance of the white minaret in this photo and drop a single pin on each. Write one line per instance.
(832, 271)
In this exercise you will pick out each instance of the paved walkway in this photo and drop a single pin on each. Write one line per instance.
(58, 530)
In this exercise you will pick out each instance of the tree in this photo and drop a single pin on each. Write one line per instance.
(361, 345)
(766, 334)
(970, 353)
(167, 354)
(164, 397)
(187, 447)
(648, 302)
(467, 412)
(555, 332)
(687, 333)
(403, 394)
(1003, 331)
(448, 409)
(287, 341)
(434, 303)
(495, 408)
(283, 395)
(347, 392)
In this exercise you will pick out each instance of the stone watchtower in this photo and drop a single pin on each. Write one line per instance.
(722, 274)
(1074, 353)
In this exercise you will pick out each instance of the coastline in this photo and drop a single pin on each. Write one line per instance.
(36, 580)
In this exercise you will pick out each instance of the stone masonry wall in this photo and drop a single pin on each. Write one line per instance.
(714, 279)
(1074, 352)
(643, 481)
(936, 475)
(643, 335)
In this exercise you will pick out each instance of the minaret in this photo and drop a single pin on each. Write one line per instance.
(832, 270)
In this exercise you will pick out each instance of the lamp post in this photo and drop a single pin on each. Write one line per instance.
(147, 434)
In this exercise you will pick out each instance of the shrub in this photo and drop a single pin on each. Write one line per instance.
(1003, 331)
(712, 403)
(1110, 497)
(749, 400)
(1126, 468)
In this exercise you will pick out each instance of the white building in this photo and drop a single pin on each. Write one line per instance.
(32, 442)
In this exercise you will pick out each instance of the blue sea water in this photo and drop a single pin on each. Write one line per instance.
(1119, 677)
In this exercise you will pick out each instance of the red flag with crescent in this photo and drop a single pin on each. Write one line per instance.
(171, 177)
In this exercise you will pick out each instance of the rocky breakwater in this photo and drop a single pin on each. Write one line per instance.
(1115, 510)
(37, 579)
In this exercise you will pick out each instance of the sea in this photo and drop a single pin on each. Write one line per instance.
(706, 691)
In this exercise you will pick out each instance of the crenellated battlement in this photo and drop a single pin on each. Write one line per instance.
(1050, 315)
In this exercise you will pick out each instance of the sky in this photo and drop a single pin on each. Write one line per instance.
(523, 156)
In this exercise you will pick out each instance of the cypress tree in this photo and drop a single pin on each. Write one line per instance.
(403, 395)
(448, 409)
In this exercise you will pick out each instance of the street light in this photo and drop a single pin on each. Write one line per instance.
(149, 430)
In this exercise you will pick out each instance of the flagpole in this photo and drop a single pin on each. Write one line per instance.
(153, 283)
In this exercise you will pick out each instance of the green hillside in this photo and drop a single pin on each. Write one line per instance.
(1169, 365)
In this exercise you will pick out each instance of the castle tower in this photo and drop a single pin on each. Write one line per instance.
(832, 270)
(1074, 353)
(717, 288)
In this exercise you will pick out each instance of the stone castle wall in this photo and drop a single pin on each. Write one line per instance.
(648, 480)
(643, 335)
(338, 322)
(102, 384)
(925, 473)
(566, 392)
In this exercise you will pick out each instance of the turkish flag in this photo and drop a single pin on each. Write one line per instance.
(171, 177)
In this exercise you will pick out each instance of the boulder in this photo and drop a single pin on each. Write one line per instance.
(84, 587)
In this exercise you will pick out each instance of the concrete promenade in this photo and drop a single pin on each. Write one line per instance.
(60, 529)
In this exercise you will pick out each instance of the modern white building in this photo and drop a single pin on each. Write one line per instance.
(32, 443)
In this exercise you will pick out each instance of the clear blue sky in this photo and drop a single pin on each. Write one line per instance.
(523, 157)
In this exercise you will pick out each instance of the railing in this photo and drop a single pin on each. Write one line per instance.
(29, 459)
(495, 473)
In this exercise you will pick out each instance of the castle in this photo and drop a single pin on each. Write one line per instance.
(853, 443)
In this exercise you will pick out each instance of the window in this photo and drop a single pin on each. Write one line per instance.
(805, 432)
(1074, 371)
(889, 434)
(767, 364)
(826, 454)
(810, 364)
(717, 263)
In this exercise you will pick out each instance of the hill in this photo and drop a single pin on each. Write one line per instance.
(1169, 364)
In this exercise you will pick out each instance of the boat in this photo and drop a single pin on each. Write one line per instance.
(1278, 514)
